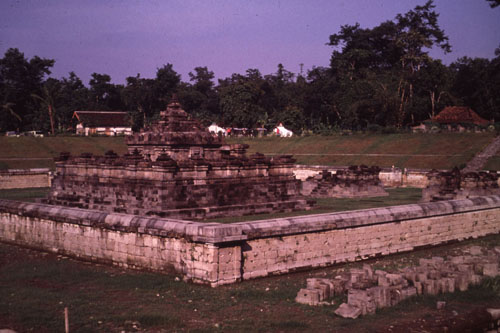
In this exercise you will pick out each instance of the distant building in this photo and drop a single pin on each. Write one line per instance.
(109, 123)
(459, 115)
(280, 130)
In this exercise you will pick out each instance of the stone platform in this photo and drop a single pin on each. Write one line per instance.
(216, 253)
(177, 169)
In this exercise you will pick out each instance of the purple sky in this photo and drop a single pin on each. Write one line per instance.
(123, 38)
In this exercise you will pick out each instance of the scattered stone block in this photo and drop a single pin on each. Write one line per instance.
(348, 311)
(362, 300)
(408, 292)
(381, 296)
(490, 269)
(338, 286)
(435, 276)
(419, 287)
(395, 279)
(495, 313)
(308, 296)
(475, 250)
(462, 281)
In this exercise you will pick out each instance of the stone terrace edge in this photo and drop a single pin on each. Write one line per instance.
(219, 233)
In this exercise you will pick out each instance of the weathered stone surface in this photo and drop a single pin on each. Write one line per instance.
(435, 275)
(361, 299)
(24, 178)
(356, 181)
(178, 169)
(348, 311)
(448, 185)
(259, 248)
(308, 296)
(490, 269)
(495, 313)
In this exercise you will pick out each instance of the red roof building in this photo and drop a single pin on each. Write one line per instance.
(459, 114)
(102, 122)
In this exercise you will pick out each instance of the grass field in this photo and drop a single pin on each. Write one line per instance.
(426, 151)
(36, 287)
(440, 150)
(32, 152)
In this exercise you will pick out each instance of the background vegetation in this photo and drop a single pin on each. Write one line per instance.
(380, 77)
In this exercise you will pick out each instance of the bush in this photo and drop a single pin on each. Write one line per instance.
(374, 128)
(389, 130)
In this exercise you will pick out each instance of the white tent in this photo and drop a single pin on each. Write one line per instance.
(282, 131)
(216, 129)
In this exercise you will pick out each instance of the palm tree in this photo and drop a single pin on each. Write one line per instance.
(7, 106)
(50, 93)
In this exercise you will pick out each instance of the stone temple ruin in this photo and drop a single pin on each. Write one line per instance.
(355, 182)
(178, 169)
(450, 185)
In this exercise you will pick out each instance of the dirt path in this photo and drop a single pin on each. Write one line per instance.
(478, 162)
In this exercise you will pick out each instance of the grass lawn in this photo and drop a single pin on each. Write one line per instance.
(397, 196)
(33, 152)
(440, 150)
(426, 151)
(25, 194)
(36, 287)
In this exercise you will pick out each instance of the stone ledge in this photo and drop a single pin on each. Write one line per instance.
(164, 227)
(217, 233)
(357, 218)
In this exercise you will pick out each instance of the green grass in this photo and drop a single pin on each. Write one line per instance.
(493, 163)
(440, 150)
(35, 288)
(24, 194)
(40, 151)
(397, 196)
(426, 151)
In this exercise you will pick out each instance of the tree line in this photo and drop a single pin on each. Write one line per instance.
(377, 77)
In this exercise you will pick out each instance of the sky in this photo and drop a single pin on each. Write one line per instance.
(124, 38)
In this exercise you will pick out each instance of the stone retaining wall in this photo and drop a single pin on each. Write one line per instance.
(388, 176)
(24, 178)
(218, 254)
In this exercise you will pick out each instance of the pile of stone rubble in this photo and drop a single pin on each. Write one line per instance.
(368, 290)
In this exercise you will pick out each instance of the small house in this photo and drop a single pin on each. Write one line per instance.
(455, 115)
(108, 123)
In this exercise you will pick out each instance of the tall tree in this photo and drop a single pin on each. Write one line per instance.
(47, 99)
(167, 81)
(73, 96)
(240, 99)
(381, 63)
(19, 78)
(104, 94)
(199, 96)
(494, 3)
(140, 99)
